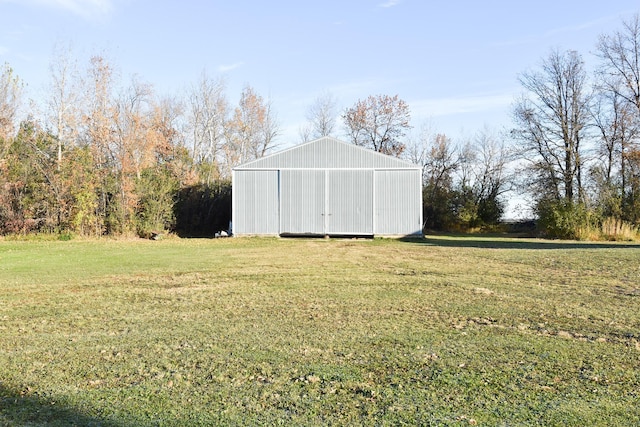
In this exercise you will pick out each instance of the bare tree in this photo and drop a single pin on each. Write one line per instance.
(617, 118)
(64, 103)
(441, 162)
(304, 132)
(134, 148)
(207, 116)
(551, 120)
(322, 115)
(270, 130)
(418, 148)
(490, 176)
(620, 61)
(618, 127)
(466, 165)
(10, 98)
(379, 123)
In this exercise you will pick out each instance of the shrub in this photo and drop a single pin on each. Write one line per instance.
(563, 219)
(155, 213)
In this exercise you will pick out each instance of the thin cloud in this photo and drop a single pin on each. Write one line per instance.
(554, 32)
(229, 67)
(460, 105)
(579, 27)
(88, 9)
(3, 50)
(389, 3)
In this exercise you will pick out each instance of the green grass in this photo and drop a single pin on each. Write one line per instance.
(440, 331)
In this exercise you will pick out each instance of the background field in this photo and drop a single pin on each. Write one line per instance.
(441, 331)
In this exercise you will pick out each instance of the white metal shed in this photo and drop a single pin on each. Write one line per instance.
(327, 187)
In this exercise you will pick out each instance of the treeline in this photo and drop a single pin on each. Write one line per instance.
(578, 137)
(573, 150)
(101, 157)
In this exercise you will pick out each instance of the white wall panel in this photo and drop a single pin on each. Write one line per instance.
(398, 207)
(255, 202)
(350, 202)
(302, 199)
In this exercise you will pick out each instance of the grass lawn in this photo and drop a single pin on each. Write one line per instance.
(440, 331)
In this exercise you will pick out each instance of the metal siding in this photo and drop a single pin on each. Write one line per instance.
(398, 198)
(327, 153)
(349, 202)
(302, 195)
(255, 206)
(327, 187)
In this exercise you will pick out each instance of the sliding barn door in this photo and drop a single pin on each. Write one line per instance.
(338, 202)
(349, 207)
(302, 200)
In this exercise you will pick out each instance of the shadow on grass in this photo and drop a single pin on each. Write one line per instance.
(24, 409)
(470, 241)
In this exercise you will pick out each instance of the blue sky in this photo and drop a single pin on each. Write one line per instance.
(454, 62)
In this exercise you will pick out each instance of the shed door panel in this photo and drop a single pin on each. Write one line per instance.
(255, 203)
(302, 199)
(398, 207)
(349, 207)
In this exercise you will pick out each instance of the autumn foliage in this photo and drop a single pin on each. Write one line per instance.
(379, 123)
(119, 160)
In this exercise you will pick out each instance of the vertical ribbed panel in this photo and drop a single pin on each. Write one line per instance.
(302, 197)
(255, 205)
(349, 202)
(398, 207)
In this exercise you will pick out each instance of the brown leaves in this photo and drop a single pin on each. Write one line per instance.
(379, 122)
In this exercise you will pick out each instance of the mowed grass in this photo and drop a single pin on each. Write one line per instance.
(250, 331)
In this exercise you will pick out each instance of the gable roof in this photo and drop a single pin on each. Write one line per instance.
(327, 153)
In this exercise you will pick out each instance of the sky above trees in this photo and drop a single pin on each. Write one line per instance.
(456, 64)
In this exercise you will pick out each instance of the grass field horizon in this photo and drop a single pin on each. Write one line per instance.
(445, 330)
